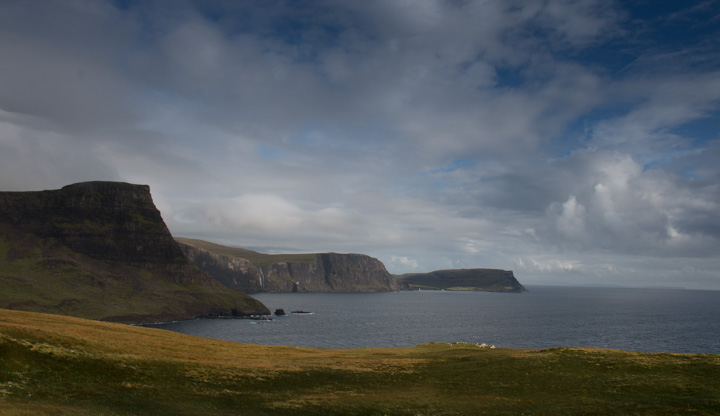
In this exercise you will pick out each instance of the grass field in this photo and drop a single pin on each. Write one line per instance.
(57, 365)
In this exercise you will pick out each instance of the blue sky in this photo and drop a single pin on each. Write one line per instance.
(574, 142)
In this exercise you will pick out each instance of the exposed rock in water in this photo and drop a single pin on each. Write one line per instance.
(490, 280)
(101, 250)
(253, 272)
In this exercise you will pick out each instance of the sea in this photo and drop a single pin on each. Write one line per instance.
(643, 320)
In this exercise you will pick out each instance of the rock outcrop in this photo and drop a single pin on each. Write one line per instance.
(489, 280)
(101, 250)
(253, 272)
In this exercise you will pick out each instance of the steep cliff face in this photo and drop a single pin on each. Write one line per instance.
(330, 272)
(326, 272)
(490, 280)
(101, 250)
(103, 220)
(234, 272)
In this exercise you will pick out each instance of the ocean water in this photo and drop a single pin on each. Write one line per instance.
(647, 320)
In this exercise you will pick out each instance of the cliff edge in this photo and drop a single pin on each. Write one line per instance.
(101, 250)
(252, 272)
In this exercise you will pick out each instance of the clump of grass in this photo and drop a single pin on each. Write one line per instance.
(60, 365)
(4, 248)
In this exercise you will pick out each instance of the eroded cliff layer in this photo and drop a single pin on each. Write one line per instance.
(489, 280)
(101, 250)
(253, 272)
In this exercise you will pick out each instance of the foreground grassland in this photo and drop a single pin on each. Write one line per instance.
(56, 365)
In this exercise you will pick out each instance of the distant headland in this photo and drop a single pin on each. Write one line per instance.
(101, 250)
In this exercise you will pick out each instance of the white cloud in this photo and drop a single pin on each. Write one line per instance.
(404, 262)
(272, 213)
(547, 265)
(571, 219)
(617, 207)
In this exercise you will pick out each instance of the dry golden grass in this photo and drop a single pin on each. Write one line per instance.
(57, 365)
(205, 358)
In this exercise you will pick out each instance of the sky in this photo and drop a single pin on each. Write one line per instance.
(573, 142)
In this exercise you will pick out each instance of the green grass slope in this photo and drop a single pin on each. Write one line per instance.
(57, 365)
(44, 276)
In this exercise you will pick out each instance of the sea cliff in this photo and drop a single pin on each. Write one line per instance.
(251, 272)
(101, 250)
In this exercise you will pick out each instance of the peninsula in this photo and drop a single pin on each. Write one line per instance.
(252, 272)
(487, 280)
(101, 250)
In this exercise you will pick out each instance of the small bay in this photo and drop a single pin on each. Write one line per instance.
(647, 320)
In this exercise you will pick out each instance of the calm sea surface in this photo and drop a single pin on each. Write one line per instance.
(648, 320)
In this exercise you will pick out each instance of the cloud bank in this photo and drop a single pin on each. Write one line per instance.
(575, 142)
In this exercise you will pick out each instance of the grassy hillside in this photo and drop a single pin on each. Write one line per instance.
(258, 259)
(56, 365)
(44, 276)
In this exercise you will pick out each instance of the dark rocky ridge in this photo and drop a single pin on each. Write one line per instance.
(489, 280)
(103, 220)
(324, 272)
(102, 250)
